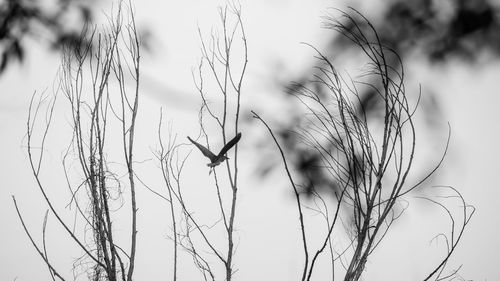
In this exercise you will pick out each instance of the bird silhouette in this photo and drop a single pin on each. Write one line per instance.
(219, 158)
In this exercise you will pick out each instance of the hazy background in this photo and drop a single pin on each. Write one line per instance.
(460, 87)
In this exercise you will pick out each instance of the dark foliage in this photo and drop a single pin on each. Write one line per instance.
(462, 31)
(20, 19)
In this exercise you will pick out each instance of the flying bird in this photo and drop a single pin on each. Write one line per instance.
(219, 158)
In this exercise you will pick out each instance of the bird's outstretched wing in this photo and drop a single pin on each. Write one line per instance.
(203, 150)
(230, 144)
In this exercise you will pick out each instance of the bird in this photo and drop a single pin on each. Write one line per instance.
(219, 158)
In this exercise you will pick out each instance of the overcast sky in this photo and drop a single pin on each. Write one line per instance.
(268, 235)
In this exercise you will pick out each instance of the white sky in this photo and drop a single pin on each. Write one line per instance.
(267, 228)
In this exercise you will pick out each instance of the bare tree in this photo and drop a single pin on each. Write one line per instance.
(227, 74)
(370, 165)
(95, 83)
